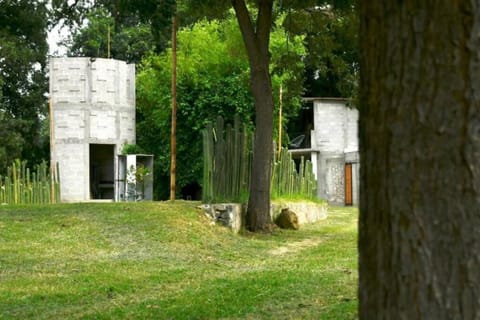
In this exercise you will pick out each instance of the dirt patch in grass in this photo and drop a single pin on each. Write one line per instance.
(295, 247)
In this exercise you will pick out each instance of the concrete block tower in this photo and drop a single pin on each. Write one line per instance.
(93, 115)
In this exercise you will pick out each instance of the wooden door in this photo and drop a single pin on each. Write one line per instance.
(348, 185)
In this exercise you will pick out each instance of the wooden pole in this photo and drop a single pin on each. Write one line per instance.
(108, 43)
(173, 160)
(52, 152)
(280, 122)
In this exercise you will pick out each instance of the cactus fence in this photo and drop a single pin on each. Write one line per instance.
(22, 186)
(226, 161)
(227, 157)
(287, 181)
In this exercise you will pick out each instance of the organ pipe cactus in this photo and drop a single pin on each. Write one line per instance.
(227, 156)
(23, 186)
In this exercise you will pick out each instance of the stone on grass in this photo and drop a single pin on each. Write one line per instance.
(287, 219)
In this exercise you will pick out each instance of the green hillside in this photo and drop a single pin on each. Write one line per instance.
(166, 261)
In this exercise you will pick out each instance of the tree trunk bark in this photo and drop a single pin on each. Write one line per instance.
(419, 228)
(256, 39)
(258, 211)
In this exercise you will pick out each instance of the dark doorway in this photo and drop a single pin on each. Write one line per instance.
(102, 171)
(192, 191)
(348, 185)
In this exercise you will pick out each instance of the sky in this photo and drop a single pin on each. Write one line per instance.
(57, 34)
(54, 36)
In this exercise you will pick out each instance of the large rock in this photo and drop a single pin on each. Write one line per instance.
(226, 214)
(287, 219)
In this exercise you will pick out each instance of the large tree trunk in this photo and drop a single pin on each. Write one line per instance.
(419, 229)
(258, 212)
(257, 39)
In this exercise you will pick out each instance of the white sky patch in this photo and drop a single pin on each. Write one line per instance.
(60, 33)
(56, 35)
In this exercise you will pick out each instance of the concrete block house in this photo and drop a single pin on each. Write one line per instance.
(93, 116)
(331, 143)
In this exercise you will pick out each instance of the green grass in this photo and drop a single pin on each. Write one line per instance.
(298, 198)
(165, 261)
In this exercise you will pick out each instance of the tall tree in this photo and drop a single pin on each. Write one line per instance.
(23, 82)
(256, 36)
(419, 242)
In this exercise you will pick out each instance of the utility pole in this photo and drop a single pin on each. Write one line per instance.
(52, 151)
(173, 159)
(280, 122)
(108, 42)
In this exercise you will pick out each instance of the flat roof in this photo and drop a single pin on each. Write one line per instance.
(301, 151)
(324, 99)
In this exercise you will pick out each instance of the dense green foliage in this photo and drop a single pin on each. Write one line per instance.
(123, 15)
(331, 66)
(212, 80)
(129, 41)
(23, 82)
(163, 261)
(11, 140)
(329, 28)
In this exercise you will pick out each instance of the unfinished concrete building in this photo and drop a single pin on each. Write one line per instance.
(330, 141)
(93, 103)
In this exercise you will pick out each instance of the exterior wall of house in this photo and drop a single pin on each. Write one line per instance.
(93, 102)
(335, 143)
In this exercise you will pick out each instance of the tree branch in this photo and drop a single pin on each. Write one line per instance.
(264, 24)
(246, 27)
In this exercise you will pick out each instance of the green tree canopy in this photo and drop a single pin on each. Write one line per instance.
(23, 82)
(330, 35)
(129, 41)
(156, 14)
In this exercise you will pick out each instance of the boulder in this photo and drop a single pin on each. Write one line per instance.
(226, 214)
(287, 219)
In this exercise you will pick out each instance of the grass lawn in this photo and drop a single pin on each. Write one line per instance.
(165, 261)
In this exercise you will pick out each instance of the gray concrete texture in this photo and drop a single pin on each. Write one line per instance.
(93, 102)
(335, 143)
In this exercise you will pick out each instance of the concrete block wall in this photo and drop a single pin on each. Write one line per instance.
(74, 169)
(351, 130)
(334, 143)
(335, 180)
(329, 125)
(93, 102)
(336, 126)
